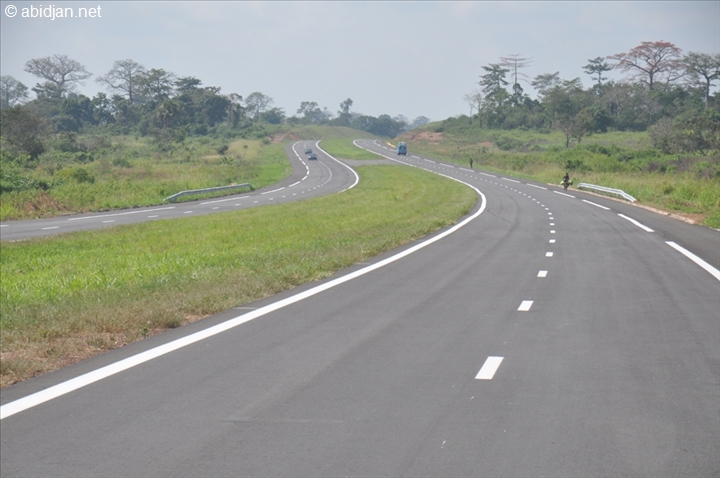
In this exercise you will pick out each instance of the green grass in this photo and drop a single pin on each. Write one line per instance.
(133, 175)
(72, 296)
(343, 148)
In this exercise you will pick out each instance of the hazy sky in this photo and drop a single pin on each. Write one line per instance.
(401, 57)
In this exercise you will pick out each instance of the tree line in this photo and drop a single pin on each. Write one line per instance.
(150, 102)
(667, 93)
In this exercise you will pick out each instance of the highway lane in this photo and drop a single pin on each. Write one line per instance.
(608, 339)
(308, 179)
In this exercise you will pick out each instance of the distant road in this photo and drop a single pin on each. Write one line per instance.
(308, 179)
(548, 333)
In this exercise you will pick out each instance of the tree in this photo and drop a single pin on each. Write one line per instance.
(494, 80)
(12, 92)
(312, 113)
(124, 76)
(256, 103)
(60, 73)
(597, 66)
(23, 130)
(473, 100)
(651, 62)
(187, 84)
(702, 69)
(345, 107)
(546, 82)
(155, 86)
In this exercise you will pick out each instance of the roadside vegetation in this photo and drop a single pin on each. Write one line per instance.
(70, 297)
(684, 184)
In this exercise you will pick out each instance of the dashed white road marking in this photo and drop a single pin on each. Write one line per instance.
(542, 274)
(714, 272)
(548, 254)
(552, 241)
(536, 186)
(511, 180)
(487, 372)
(224, 200)
(48, 228)
(525, 305)
(273, 191)
(120, 213)
(563, 194)
(187, 212)
(486, 174)
(641, 226)
(596, 205)
(107, 222)
(154, 215)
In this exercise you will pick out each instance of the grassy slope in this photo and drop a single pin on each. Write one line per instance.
(73, 296)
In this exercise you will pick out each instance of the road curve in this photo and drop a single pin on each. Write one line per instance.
(308, 179)
(546, 335)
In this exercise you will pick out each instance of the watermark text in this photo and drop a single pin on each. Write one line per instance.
(53, 12)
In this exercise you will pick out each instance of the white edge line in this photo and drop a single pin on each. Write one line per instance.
(487, 372)
(563, 194)
(714, 272)
(63, 388)
(641, 226)
(596, 205)
(121, 213)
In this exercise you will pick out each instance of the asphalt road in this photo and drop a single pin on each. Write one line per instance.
(308, 179)
(544, 336)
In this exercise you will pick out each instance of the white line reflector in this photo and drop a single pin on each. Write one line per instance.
(641, 226)
(714, 272)
(487, 372)
(525, 305)
(596, 205)
(542, 273)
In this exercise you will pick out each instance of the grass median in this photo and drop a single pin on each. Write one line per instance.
(71, 297)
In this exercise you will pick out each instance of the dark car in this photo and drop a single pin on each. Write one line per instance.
(312, 156)
(308, 151)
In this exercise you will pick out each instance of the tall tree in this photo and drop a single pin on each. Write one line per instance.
(546, 82)
(60, 73)
(651, 62)
(597, 66)
(494, 80)
(124, 76)
(155, 85)
(702, 69)
(12, 92)
(256, 103)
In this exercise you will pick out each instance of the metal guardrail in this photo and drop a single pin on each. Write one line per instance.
(619, 192)
(209, 190)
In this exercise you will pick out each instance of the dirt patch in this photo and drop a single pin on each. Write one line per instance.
(425, 135)
(282, 137)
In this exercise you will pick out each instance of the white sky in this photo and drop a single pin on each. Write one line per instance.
(402, 57)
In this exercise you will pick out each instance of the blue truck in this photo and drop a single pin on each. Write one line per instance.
(402, 148)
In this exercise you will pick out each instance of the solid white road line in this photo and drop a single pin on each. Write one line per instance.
(525, 305)
(641, 226)
(487, 372)
(63, 388)
(714, 272)
(596, 205)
